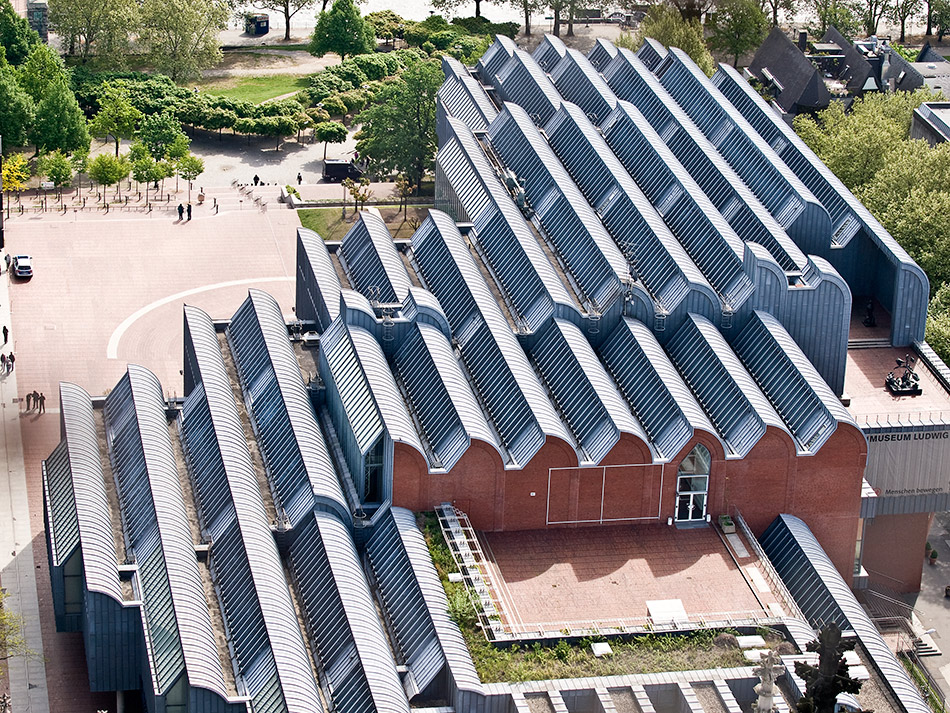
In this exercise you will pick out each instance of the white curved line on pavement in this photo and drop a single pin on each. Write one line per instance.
(112, 350)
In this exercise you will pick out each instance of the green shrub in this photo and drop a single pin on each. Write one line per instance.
(354, 100)
(318, 114)
(428, 48)
(349, 72)
(481, 26)
(372, 65)
(443, 39)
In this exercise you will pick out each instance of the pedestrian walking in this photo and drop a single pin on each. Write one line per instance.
(299, 179)
(181, 212)
(42, 403)
(189, 211)
(3, 363)
(36, 398)
(6, 333)
(10, 361)
(29, 401)
(257, 179)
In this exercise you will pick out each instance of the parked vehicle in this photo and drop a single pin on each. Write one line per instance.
(336, 170)
(23, 266)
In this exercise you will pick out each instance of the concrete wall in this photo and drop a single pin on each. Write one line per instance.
(894, 550)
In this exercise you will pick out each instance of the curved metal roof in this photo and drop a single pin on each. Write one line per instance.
(601, 54)
(727, 392)
(848, 214)
(372, 262)
(262, 622)
(577, 81)
(583, 391)
(181, 639)
(511, 250)
(510, 391)
(81, 513)
(790, 382)
(589, 253)
(357, 667)
(383, 388)
(318, 285)
(296, 456)
(495, 58)
(653, 388)
(523, 81)
(428, 639)
(655, 254)
(549, 52)
(463, 97)
(824, 597)
(694, 220)
(422, 307)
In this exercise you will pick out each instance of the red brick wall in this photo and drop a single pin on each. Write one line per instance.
(894, 550)
(824, 490)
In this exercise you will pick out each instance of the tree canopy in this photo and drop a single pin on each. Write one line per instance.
(830, 677)
(397, 132)
(288, 8)
(57, 167)
(329, 132)
(159, 133)
(94, 27)
(16, 172)
(59, 122)
(43, 66)
(107, 170)
(740, 27)
(16, 36)
(181, 36)
(116, 116)
(342, 30)
(16, 110)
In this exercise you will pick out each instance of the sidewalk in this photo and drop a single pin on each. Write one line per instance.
(27, 678)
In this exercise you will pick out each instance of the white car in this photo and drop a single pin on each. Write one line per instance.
(23, 266)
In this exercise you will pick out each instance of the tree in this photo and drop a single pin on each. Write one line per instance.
(692, 9)
(116, 116)
(843, 15)
(59, 123)
(938, 323)
(398, 130)
(16, 172)
(343, 31)
(774, 6)
(359, 191)
(939, 18)
(873, 11)
(901, 11)
(95, 27)
(145, 169)
(16, 110)
(16, 36)
(41, 69)
(665, 25)
(740, 27)
(12, 641)
(527, 7)
(830, 677)
(387, 25)
(159, 132)
(181, 36)
(189, 167)
(57, 167)
(108, 170)
(329, 132)
(80, 162)
(289, 8)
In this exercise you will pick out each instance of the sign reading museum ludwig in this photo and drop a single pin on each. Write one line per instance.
(909, 462)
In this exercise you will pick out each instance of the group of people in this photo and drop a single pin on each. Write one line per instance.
(36, 400)
(181, 211)
(257, 179)
(6, 363)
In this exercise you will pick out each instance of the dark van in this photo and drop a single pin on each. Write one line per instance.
(336, 170)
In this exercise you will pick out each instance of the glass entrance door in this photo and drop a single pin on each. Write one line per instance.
(691, 497)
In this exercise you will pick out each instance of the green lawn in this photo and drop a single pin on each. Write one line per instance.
(329, 225)
(256, 89)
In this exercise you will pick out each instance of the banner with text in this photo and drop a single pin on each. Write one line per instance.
(904, 462)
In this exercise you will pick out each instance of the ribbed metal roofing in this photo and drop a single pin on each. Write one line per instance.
(299, 467)
(738, 205)
(848, 215)
(441, 397)
(583, 391)
(80, 508)
(507, 385)
(384, 391)
(824, 597)
(372, 262)
(779, 189)
(790, 382)
(601, 54)
(495, 58)
(356, 664)
(704, 233)
(549, 52)
(521, 80)
(726, 391)
(422, 307)
(318, 285)
(511, 250)
(653, 388)
(409, 585)
(262, 623)
(463, 97)
(598, 267)
(655, 254)
(181, 639)
(577, 81)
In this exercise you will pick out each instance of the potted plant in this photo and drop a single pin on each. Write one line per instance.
(928, 548)
(726, 524)
(933, 556)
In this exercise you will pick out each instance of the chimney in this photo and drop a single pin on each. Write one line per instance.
(803, 41)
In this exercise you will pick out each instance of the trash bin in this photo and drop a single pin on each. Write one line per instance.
(257, 24)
